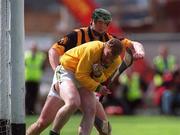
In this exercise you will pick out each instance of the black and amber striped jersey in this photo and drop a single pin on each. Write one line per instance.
(78, 37)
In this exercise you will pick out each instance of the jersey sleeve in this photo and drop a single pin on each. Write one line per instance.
(126, 42)
(67, 42)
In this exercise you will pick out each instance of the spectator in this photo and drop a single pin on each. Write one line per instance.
(34, 65)
(171, 95)
(163, 63)
(132, 91)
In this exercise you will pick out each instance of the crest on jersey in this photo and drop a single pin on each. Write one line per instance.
(63, 41)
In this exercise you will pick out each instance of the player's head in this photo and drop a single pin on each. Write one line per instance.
(111, 51)
(102, 15)
(101, 18)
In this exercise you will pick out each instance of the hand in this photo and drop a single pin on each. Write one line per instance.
(138, 50)
(104, 90)
(98, 95)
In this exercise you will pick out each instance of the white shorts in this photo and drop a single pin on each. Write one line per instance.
(61, 75)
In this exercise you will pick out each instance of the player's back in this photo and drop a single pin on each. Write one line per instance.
(71, 58)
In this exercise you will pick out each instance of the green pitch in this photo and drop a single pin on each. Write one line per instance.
(126, 125)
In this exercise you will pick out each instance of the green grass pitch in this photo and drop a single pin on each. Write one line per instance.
(126, 125)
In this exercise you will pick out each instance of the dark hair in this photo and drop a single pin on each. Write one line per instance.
(116, 46)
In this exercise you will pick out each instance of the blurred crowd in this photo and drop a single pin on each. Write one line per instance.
(131, 92)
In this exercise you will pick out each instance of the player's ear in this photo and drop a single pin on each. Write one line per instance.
(91, 21)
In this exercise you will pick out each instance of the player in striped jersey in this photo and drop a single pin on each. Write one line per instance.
(101, 19)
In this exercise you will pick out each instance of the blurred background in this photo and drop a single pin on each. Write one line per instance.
(154, 23)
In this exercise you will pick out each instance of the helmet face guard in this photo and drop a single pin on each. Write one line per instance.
(102, 14)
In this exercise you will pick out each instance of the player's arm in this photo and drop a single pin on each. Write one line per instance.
(127, 61)
(136, 48)
(67, 42)
(133, 51)
(53, 58)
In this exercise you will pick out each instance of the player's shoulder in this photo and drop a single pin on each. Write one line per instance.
(93, 44)
(126, 42)
(74, 32)
(78, 32)
(96, 44)
(110, 35)
(80, 29)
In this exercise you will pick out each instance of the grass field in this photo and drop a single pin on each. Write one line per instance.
(126, 125)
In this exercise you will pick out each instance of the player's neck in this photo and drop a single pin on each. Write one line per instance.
(96, 34)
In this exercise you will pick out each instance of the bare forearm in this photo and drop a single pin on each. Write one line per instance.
(53, 58)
